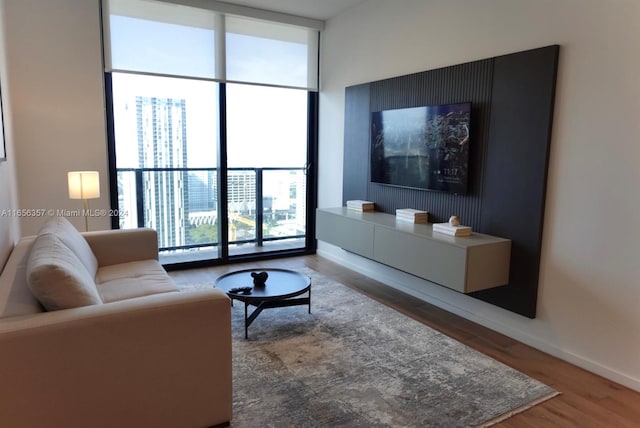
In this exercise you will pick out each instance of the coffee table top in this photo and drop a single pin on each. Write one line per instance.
(281, 284)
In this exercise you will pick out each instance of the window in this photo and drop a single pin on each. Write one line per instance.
(211, 128)
(266, 144)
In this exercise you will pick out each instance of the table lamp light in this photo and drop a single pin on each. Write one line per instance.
(84, 185)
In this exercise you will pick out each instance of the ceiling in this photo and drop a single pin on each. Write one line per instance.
(316, 9)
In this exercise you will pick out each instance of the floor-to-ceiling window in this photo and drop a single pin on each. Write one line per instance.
(212, 129)
(165, 137)
(266, 167)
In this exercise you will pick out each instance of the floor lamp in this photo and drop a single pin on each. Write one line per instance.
(84, 185)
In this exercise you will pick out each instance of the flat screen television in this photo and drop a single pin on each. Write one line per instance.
(422, 147)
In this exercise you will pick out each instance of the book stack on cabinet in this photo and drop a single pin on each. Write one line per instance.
(448, 229)
(412, 216)
(361, 206)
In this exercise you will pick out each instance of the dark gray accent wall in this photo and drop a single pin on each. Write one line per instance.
(512, 100)
(356, 154)
(515, 169)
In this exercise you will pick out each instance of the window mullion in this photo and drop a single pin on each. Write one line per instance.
(220, 47)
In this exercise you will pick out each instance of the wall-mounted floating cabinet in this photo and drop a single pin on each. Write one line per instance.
(464, 264)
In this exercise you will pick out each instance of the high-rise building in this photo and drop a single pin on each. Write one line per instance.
(203, 191)
(162, 143)
(242, 192)
(203, 198)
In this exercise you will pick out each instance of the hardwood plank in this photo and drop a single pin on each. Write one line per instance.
(586, 400)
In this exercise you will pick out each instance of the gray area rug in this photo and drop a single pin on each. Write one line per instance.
(354, 362)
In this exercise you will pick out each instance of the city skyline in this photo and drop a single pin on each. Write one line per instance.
(176, 202)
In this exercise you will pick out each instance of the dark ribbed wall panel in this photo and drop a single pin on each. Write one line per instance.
(356, 156)
(462, 83)
(516, 168)
(512, 100)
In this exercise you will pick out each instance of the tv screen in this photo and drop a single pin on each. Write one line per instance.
(422, 147)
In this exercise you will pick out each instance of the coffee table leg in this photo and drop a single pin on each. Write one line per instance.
(248, 319)
(246, 326)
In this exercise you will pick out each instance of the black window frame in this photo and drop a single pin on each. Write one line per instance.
(224, 257)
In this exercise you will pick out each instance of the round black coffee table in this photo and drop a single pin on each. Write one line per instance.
(279, 290)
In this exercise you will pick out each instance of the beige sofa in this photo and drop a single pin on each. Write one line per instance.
(130, 352)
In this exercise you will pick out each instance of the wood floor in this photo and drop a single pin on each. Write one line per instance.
(586, 400)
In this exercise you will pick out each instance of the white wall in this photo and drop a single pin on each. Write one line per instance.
(8, 223)
(589, 280)
(55, 79)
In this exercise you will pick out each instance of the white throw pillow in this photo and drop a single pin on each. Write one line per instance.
(57, 277)
(70, 237)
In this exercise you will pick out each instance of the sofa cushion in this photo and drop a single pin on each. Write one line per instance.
(132, 279)
(57, 277)
(70, 236)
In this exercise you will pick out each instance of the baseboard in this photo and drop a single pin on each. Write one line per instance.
(389, 276)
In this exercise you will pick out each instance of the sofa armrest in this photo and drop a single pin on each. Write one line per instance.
(162, 360)
(123, 245)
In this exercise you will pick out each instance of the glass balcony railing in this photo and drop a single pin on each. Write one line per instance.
(181, 204)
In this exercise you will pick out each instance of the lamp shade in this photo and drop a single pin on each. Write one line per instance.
(84, 184)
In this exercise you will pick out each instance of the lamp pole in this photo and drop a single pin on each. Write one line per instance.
(85, 206)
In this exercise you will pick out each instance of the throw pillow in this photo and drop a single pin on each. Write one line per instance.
(57, 278)
(70, 236)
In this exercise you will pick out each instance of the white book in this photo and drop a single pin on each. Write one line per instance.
(411, 220)
(452, 230)
(360, 204)
(453, 233)
(447, 226)
(416, 216)
(411, 215)
(361, 209)
(410, 211)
